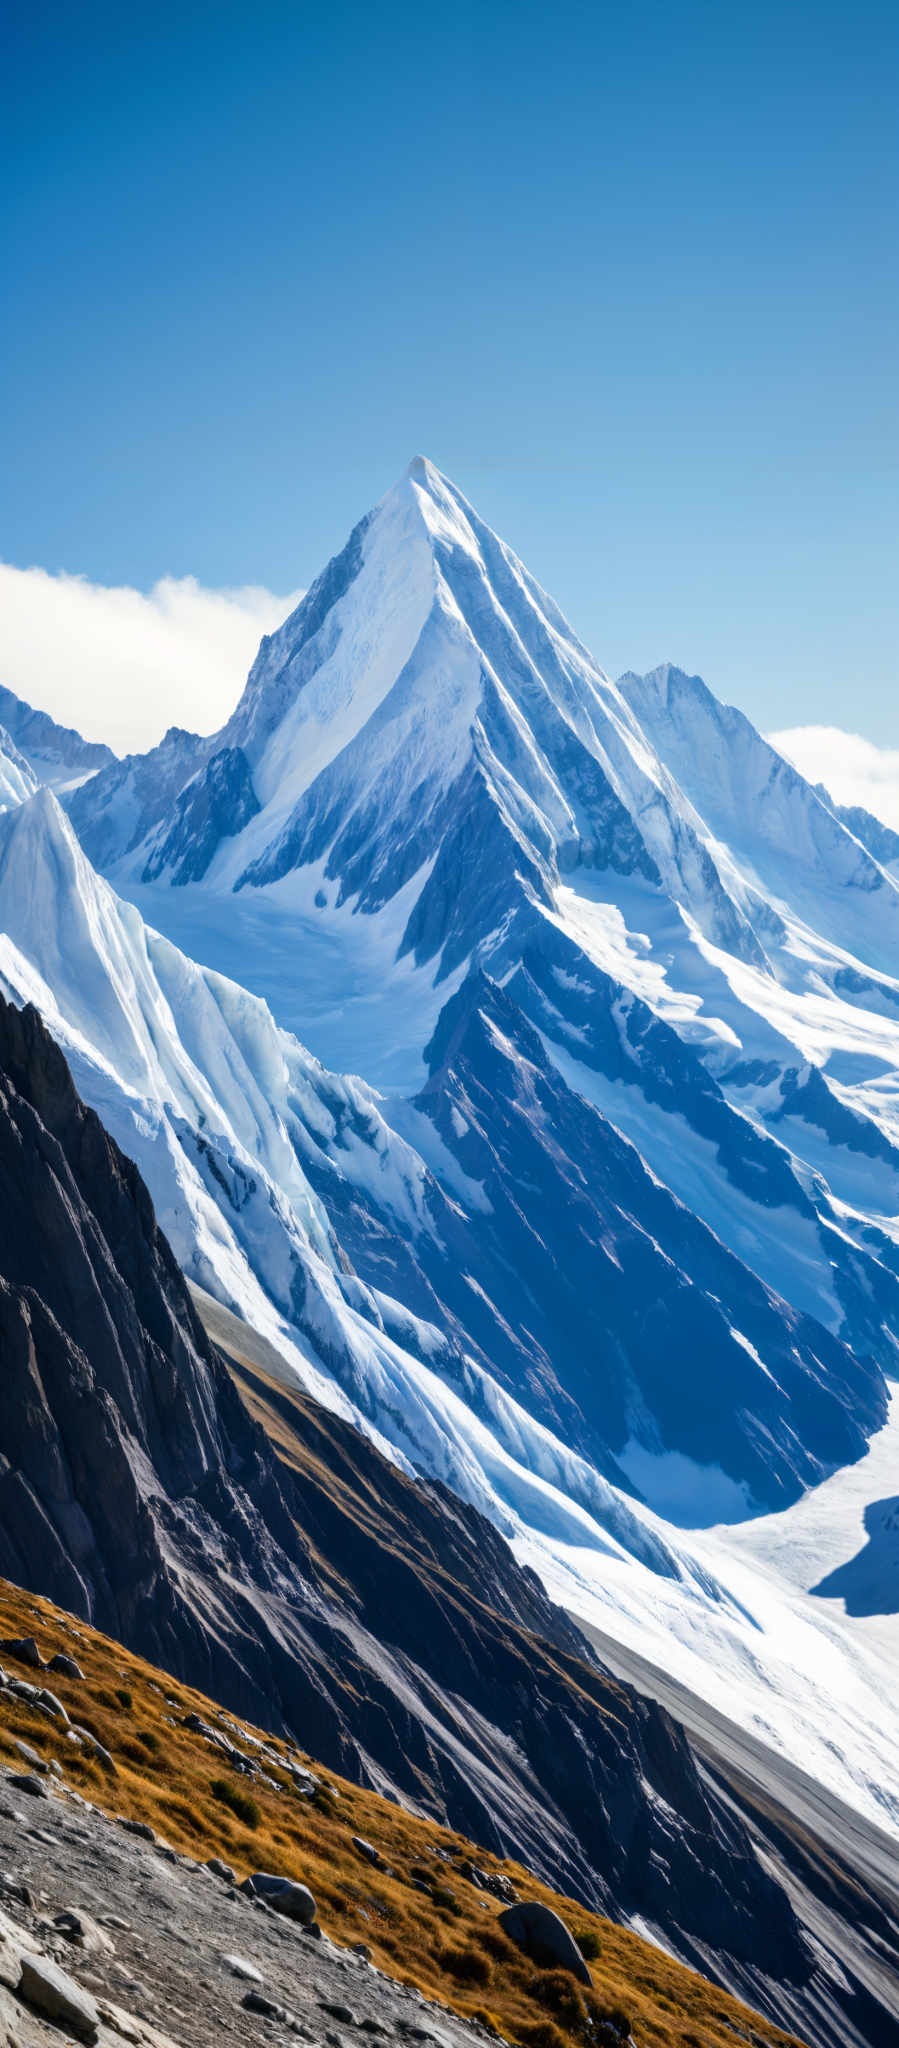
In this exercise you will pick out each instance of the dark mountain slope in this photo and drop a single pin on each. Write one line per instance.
(136, 1488)
(579, 1276)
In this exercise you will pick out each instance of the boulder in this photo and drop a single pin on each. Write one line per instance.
(47, 1988)
(140, 1828)
(545, 1938)
(25, 1649)
(30, 1756)
(220, 1869)
(83, 1932)
(240, 1967)
(295, 1901)
(26, 1781)
(256, 2001)
(96, 1748)
(366, 1849)
(66, 1666)
(49, 1704)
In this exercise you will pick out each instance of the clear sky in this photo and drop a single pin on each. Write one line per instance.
(627, 273)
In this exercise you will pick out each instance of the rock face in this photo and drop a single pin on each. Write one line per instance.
(220, 801)
(137, 1491)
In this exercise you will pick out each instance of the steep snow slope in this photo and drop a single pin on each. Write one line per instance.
(17, 777)
(287, 1194)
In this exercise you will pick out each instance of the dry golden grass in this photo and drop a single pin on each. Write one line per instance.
(446, 1941)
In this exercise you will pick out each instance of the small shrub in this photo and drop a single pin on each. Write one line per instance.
(619, 2021)
(497, 1944)
(445, 1899)
(124, 1698)
(183, 1815)
(558, 1992)
(541, 2034)
(149, 1740)
(239, 1803)
(467, 1965)
(133, 1753)
(589, 1943)
(323, 1799)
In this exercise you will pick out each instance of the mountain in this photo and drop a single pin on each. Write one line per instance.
(136, 1487)
(880, 839)
(56, 754)
(612, 1238)
(444, 1278)
(427, 769)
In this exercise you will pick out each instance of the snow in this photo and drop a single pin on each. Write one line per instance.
(676, 1486)
(17, 777)
(783, 1247)
(815, 1684)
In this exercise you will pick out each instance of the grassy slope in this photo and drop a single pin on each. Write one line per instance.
(450, 1946)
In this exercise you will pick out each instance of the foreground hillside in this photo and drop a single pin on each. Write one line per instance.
(421, 1898)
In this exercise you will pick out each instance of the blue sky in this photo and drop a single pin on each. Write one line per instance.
(628, 274)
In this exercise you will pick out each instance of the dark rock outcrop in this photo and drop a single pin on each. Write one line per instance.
(220, 801)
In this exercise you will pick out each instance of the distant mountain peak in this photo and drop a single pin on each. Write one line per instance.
(57, 754)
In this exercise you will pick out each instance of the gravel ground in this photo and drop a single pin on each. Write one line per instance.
(184, 1948)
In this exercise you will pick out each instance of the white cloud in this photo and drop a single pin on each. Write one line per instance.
(853, 769)
(122, 666)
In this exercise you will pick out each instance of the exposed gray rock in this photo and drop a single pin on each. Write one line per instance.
(65, 1665)
(26, 1781)
(366, 1849)
(24, 1648)
(49, 1704)
(30, 1756)
(283, 1895)
(544, 1937)
(96, 1748)
(50, 1990)
(141, 1828)
(240, 1967)
(83, 1932)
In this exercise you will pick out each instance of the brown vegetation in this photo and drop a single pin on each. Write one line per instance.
(422, 1920)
